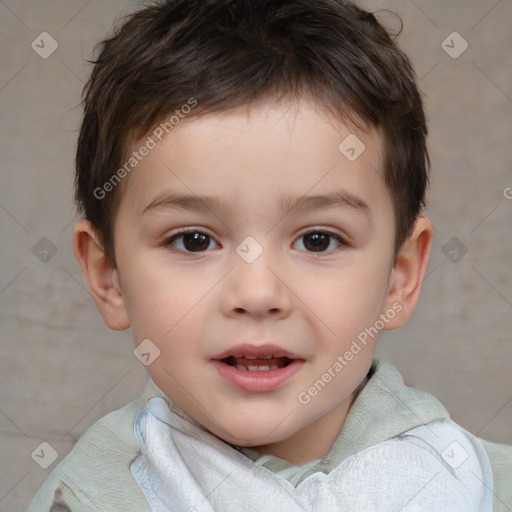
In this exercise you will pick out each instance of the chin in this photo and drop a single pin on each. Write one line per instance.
(253, 434)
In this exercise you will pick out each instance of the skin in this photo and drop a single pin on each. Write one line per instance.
(194, 305)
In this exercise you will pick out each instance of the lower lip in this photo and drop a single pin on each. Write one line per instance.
(257, 382)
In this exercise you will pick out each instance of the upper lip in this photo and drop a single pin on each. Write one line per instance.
(268, 349)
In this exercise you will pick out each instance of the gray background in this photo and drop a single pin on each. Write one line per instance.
(61, 368)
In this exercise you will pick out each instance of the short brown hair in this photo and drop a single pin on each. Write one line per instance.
(227, 53)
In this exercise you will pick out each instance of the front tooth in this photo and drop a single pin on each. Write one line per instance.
(240, 367)
(264, 368)
(253, 368)
(251, 357)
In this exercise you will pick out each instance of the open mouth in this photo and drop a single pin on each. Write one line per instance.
(257, 368)
(258, 364)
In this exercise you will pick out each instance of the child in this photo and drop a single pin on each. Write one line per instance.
(251, 176)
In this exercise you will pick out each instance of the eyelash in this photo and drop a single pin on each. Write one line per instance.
(168, 242)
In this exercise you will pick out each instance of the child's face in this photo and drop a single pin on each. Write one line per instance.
(204, 299)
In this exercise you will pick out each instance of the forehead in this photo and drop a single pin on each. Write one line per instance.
(255, 153)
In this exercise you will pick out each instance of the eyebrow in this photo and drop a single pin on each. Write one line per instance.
(287, 204)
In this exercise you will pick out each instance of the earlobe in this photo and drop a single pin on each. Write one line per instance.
(101, 276)
(408, 272)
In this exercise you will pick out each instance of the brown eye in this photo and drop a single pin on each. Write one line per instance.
(320, 241)
(191, 241)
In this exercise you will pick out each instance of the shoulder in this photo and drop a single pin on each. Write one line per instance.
(500, 456)
(95, 475)
(465, 455)
(417, 430)
(439, 465)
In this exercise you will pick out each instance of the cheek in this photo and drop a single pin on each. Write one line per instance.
(346, 300)
(167, 307)
(154, 300)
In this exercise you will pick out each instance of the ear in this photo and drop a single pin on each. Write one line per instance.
(408, 273)
(102, 277)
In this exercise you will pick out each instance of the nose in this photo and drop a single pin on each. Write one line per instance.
(258, 289)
